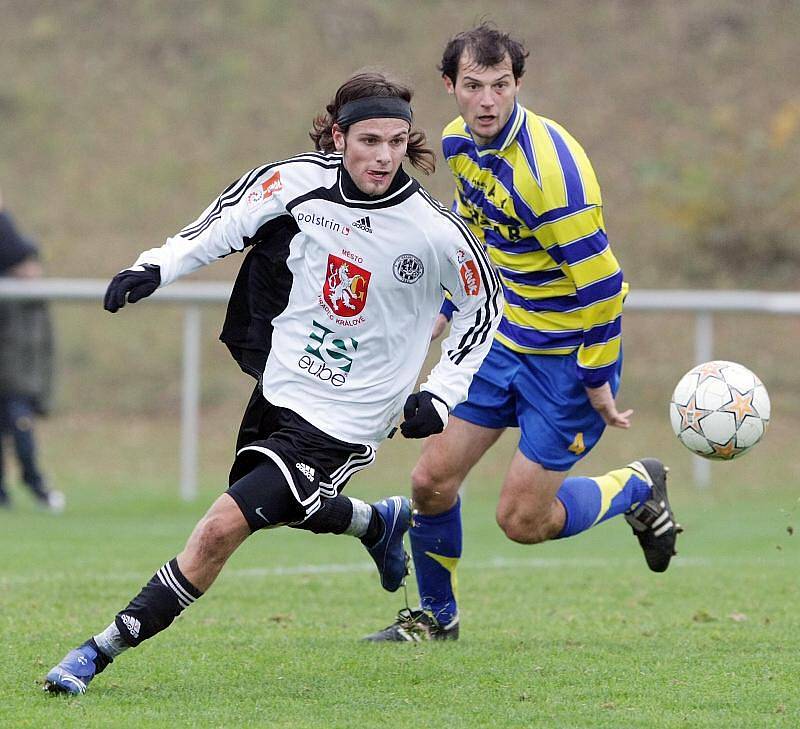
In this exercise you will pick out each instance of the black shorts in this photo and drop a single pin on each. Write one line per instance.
(312, 464)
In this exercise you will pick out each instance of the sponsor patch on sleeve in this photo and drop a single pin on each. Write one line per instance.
(470, 278)
(263, 192)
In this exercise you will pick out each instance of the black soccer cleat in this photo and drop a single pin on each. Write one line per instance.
(652, 521)
(415, 626)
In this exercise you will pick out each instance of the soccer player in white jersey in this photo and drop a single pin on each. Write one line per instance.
(528, 191)
(332, 312)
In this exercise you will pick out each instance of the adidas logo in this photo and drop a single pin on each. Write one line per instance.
(307, 471)
(363, 224)
(132, 624)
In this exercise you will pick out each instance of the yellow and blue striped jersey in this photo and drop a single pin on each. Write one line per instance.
(533, 199)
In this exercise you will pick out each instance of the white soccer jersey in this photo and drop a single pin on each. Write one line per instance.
(366, 284)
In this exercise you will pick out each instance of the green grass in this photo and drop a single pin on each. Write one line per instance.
(121, 121)
(568, 634)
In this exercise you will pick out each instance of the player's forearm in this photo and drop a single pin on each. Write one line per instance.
(172, 263)
(602, 337)
(596, 375)
(222, 228)
(602, 334)
(601, 315)
(179, 256)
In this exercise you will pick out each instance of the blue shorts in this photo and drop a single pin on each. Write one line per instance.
(542, 395)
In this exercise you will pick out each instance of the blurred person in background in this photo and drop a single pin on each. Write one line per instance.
(332, 312)
(26, 366)
(527, 190)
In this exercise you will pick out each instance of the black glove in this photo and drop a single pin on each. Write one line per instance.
(424, 414)
(131, 284)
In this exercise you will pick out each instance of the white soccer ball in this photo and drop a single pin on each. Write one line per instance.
(719, 410)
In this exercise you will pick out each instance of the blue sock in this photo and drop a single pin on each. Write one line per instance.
(589, 501)
(436, 548)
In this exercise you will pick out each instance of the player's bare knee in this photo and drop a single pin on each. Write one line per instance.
(521, 529)
(430, 492)
(423, 485)
(212, 539)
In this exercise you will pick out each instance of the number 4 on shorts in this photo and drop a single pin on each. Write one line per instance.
(577, 446)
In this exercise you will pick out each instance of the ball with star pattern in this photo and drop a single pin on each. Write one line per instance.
(719, 410)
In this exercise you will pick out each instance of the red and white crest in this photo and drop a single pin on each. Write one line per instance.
(345, 289)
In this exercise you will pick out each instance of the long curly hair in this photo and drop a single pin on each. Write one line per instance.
(362, 85)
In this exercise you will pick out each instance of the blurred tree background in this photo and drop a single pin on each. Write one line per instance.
(122, 120)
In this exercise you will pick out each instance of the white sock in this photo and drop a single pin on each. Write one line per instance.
(362, 513)
(110, 641)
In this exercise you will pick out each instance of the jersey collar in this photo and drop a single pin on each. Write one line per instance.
(507, 134)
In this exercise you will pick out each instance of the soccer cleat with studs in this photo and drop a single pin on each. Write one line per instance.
(652, 521)
(415, 626)
(73, 674)
(388, 553)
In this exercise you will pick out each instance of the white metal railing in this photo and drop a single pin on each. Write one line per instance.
(194, 294)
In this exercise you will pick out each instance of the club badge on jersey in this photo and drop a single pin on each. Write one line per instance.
(345, 288)
(408, 269)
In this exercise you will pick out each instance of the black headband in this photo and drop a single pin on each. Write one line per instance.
(374, 107)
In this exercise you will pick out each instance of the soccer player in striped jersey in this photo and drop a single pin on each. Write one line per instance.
(528, 191)
(332, 313)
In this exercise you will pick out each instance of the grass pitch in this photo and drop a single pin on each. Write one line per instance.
(569, 634)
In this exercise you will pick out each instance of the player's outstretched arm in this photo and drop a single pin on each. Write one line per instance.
(228, 224)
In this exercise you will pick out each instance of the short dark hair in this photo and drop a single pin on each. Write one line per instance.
(488, 46)
(360, 86)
